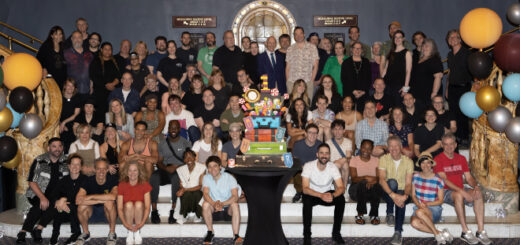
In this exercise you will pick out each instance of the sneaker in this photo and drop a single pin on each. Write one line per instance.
(483, 238)
(397, 239)
(338, 239)
(20, 238)
(181, 220)
(36, 235)
(72, 239)
(197, 219)
(297, 197)
(171, 219)
(440, 239)
(130, 238)
(307, 241)
(447, 235)
(238, 240)
(209, 238)
(137, 238)
(390, 220)
(83, 238)
(112, 238)
(468, 237)
(54, 238)
(155, 217)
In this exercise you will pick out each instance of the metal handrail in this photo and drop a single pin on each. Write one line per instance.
(31, 37)
(11, 39)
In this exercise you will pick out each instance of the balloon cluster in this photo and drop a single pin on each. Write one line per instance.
(481, 28)
(20, 73)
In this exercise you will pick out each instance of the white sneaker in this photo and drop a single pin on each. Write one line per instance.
(447, 235)
(190, 217)
(197, 219)
(130, 238)
(181, 220)
(137, 238)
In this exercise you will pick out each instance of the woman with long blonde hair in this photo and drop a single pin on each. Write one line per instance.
(299, 91)
(111, 148)
(142, 50)
(123, 121)
(133, 200)
(208, 145)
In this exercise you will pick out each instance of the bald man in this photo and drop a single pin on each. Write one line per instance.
(272, 65)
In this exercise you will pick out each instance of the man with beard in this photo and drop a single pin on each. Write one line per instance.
(82, 28)
(78, 61)
(94, 40)
(229, 58)
(205, 57)
(322, 185)
(45, 172)
(353, 35)
(152, 60)
(186, 53)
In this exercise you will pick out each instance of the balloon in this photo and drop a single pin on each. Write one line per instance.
(513, 13)
(480, 64)
(488, 98)
(513, 130)
(468, 105)
(499, 118)
(13, 163)
(507, 52)
(31, 125)
(8, 148)
(6, 118)
(21, 69)
(511, 87)
(480, 28)
(3, 99)
(16, 117)
(21, 99)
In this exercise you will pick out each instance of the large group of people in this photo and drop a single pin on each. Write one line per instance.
(358, 116)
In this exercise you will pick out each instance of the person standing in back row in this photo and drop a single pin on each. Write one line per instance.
(301, 62)
(229, 58)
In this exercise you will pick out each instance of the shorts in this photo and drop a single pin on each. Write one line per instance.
(436, 212)
(98, 214)
(449, 200)
(222, 215)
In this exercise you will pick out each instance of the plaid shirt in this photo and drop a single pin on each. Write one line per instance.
(377, 133)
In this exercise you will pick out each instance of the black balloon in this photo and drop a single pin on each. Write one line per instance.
(480, 64)
(21, 99)
(8, 148)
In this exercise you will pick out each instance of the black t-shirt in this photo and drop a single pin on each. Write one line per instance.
(221, 97)
(229, 62)
(67, 187)
(92, 187)
(446, 118)
(138, 76)
(207, 116)
(187, 56)
(421, 80)
(383, 105)
(171, 68)
(191, 101)
(68, 108)
(458, 64)
(282, 54)
(122, 62)
(53, 61)
(426, 138)
(251, 66)
(143, 98)
(55, 177)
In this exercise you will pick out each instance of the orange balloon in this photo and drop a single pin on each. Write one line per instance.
(21, 69)
(13, 163)
(480, 28)
(488, 98)
(6, 119)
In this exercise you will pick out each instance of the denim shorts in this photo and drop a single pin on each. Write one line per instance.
(436, 212)
(449, 200)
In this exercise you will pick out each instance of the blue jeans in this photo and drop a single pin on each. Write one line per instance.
(399, 212)
(436, 212)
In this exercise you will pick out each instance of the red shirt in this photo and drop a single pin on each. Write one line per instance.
(133, 193)
(453, 168)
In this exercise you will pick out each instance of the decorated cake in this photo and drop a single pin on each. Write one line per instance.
(264, 143)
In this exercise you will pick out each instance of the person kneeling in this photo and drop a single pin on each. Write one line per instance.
(220, 192)
(322, 185)
(190, 176)
(96, 196)
(428, 195)
(133, 200)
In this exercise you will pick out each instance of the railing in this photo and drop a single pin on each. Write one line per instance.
(11, 39)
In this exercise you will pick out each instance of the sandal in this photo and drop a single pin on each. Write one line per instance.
(360, 220)
(375, 220)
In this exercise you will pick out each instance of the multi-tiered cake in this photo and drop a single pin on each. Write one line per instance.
(264, 143)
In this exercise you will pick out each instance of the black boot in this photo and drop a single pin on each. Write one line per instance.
(36, 235)
(155, 217)
(171, 219)
(20, 237)
(54, 238)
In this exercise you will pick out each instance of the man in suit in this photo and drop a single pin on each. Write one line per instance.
(272, 64)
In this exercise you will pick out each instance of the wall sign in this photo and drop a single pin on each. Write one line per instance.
(194, 21)
(335, 20)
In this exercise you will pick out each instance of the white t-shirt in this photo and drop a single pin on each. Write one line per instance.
(76, 145)
(125, 93)
(200, 144)
(345, 146)
(185, 119)
(321, 181)
(397, 162)
(190, 180)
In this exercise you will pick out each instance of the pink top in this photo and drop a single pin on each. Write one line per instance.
(365, 168)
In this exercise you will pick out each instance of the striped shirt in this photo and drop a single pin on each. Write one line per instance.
(426, 189)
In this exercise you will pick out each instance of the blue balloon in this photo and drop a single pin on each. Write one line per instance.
(16, 116)
(511, 87)
(468, 105)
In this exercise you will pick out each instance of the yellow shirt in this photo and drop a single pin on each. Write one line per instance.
(405, 167)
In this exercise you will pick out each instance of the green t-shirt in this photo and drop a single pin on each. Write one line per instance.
(206, 57)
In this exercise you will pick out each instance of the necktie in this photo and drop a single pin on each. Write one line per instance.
(273, 62)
